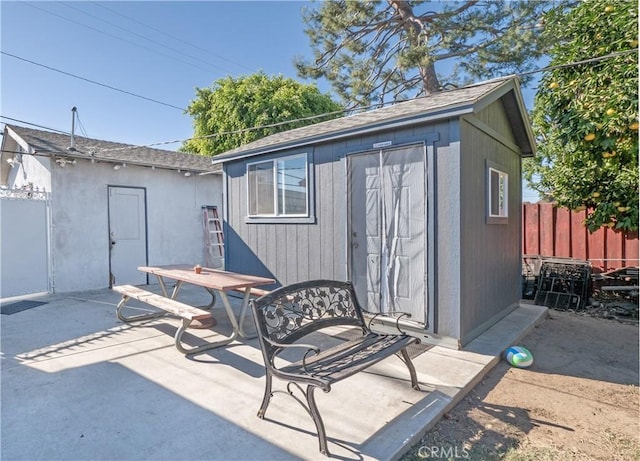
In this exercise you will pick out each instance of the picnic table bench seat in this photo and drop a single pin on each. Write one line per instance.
(192, 317)
(285, 320)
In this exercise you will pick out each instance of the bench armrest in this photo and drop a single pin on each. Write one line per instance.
(309, 347)
(396, 314)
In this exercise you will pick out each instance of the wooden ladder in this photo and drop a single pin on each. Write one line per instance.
(213, 235)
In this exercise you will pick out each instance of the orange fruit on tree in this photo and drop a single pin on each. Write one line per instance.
(611, 112)
(590, 137)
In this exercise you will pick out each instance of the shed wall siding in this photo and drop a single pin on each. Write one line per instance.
(447, 228)
(489, 253)
(296, 252)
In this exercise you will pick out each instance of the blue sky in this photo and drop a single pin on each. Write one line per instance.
(158, 50)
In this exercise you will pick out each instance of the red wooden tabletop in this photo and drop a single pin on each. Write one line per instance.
(209, 278)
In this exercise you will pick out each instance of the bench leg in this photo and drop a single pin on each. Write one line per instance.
(267, 396)
(317, 419)
(412, 370)
(133, 318)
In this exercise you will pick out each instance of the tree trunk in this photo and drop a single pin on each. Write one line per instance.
(416, 29)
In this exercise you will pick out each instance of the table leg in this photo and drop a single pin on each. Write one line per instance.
(213, 298)
(183, 327)
(176, 289)
(163, 287)
(243, 314)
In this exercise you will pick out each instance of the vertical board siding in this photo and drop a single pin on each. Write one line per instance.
(552, 231)
(489, 253)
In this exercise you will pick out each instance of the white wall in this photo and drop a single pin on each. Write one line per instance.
(32, 170)
(23, 247)
(80, 240)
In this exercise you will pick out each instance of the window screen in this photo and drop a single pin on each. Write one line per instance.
(278, 187)
(498, 193)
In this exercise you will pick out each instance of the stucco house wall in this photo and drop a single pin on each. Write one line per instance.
(77, 185)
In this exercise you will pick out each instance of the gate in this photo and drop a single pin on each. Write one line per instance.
(24, 246)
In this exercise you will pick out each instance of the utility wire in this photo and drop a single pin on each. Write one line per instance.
(173, 37)
(377, 105)
(77, 116)
(180, 52)
(579, 63)
(115, 36)
(92, 81)
(34, 124)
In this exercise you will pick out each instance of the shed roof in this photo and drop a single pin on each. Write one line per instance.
(57, 144)
(442, 105)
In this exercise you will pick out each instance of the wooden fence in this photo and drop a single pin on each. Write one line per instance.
(558, 232)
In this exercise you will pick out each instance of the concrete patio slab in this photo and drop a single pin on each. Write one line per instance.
(78, 384)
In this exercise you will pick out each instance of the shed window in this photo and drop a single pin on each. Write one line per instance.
(498, 193)
(278, 187)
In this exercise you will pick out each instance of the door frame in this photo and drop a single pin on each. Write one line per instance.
(146, 228)
(429, 217)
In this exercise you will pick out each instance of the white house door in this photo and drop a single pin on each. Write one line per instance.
(127, 235)
(387, 229)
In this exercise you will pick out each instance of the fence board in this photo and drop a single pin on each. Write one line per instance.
(578, 235)
(563, 232)
(558, 232)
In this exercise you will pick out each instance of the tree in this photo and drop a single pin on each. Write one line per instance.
(227, 114)
(391, 50)
(586, 116)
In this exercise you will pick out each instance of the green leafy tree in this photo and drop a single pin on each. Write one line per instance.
(586, 116)
(378, 51)
(231, 112)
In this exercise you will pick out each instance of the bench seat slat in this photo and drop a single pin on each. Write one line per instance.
(350, 357)
(170, 305)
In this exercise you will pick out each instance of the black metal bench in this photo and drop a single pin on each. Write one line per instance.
(288, 314)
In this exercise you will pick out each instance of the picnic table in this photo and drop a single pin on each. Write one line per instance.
(213, 280)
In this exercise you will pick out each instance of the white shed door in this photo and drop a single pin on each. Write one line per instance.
(387, 228)
(127, 235)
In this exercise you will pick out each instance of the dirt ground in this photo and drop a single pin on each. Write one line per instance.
(578, 401)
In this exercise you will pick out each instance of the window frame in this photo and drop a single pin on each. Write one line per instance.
(307, 217)
(503, 213)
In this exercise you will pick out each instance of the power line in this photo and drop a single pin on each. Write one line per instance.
(180, 52)
(173, 37)
(543, 69)
(579, 63)
(92, 81)
(34, 124)
(115, 36)
(80, 125)
(326, 114)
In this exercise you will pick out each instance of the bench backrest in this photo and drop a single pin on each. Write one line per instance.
(291, 312)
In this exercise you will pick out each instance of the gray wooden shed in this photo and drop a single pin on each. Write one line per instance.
(417, 203)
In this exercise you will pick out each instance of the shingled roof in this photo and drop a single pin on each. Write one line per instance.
(445, 104)
(57, 144)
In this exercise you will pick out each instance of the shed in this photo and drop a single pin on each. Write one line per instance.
(419, 204)
(81, 213)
